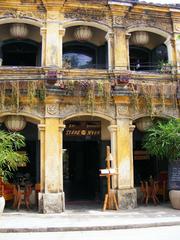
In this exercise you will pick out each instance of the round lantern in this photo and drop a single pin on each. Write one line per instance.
(83, 33)
(140, 38)
(15, 123)
(19, 30)
(144, 123)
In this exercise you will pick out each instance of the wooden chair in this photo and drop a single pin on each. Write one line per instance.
(143, 191)
(37, 190)
(162, 183)
(151, 192)
(22, 195)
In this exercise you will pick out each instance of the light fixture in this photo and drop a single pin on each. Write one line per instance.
(18, 30)
(15, 123)
(83, 33)
(144, 123)
(140, 38)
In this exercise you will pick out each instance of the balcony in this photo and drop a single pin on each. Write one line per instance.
(44, 81)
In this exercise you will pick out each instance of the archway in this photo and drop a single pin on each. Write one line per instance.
(31, 170)
(147, 49)
(20, 44)
(88, 49)
(85, 139)
(146, 166)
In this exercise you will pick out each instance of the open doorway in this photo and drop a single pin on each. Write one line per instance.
(81, 160)
(81, 180)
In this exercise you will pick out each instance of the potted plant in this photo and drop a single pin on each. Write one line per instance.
(163, 141)
(10, 158)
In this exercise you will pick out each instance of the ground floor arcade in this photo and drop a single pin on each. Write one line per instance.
(65, 156)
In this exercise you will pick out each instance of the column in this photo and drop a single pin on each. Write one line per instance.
(61, 129)
(131, 130)
(170, 43)
(127, 197)
(121, 49)
(43, 47)
(41, 128)
(177, 47)
(109, 37)
(52, 197)
(127, 46)
(113, 130)
(61, 35)
(54, 36)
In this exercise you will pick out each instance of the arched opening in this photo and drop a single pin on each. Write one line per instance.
(85, 52)
(147, 52)
(84, 143)
(20, 45)
(147, 167)
(31, 170)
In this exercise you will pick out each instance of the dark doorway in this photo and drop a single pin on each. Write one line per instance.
(81, 165)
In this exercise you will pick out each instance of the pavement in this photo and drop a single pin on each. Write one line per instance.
(88, 217)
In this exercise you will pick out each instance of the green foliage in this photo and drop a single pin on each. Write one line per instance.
(10, 159)
(163, 140)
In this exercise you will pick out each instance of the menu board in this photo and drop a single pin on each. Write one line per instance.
(174, 175)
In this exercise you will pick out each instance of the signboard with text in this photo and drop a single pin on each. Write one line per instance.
(83, 129)
(174, 175)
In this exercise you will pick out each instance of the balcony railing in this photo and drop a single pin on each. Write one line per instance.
(166, 68)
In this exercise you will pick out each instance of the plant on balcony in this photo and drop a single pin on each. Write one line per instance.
(13, 93)
(146, 96)
(165, 67)
(10, 158)
(88, 91)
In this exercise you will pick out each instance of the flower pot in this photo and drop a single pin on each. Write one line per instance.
(174, 196)
(2, 204)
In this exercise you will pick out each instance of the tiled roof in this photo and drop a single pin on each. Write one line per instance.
(174, 5)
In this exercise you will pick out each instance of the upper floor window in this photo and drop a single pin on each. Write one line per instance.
(20, 53)
(78, 56)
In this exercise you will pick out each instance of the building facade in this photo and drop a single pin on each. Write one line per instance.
(79, 75)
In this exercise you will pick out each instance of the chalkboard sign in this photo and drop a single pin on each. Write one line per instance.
(174, 175)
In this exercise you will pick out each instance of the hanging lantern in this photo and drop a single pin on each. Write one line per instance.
(19, 30)
(83, 33)
(15, 123)
(144, 123)
(140, 38)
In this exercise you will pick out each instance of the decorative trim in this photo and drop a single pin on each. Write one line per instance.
(14, 13)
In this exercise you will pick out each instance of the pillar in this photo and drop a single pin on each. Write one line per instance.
(51, 198)
(52, 41)
(177, 47)
(113, 131)
(109, 37)
(127, 197)
(120, 49)
(170, 43)
(61, 35)
(43, 51)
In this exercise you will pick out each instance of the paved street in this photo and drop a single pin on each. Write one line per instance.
(157, 233)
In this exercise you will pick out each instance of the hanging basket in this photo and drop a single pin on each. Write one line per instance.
(19, 30)
(15, 123)
(140, 38)
(83, 33)
(144, 123)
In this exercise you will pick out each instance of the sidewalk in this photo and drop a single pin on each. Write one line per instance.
(89, 217)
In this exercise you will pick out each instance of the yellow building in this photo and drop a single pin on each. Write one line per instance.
(79, 75)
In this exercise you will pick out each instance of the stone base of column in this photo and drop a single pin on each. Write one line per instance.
(51, 202)
(127, 198)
